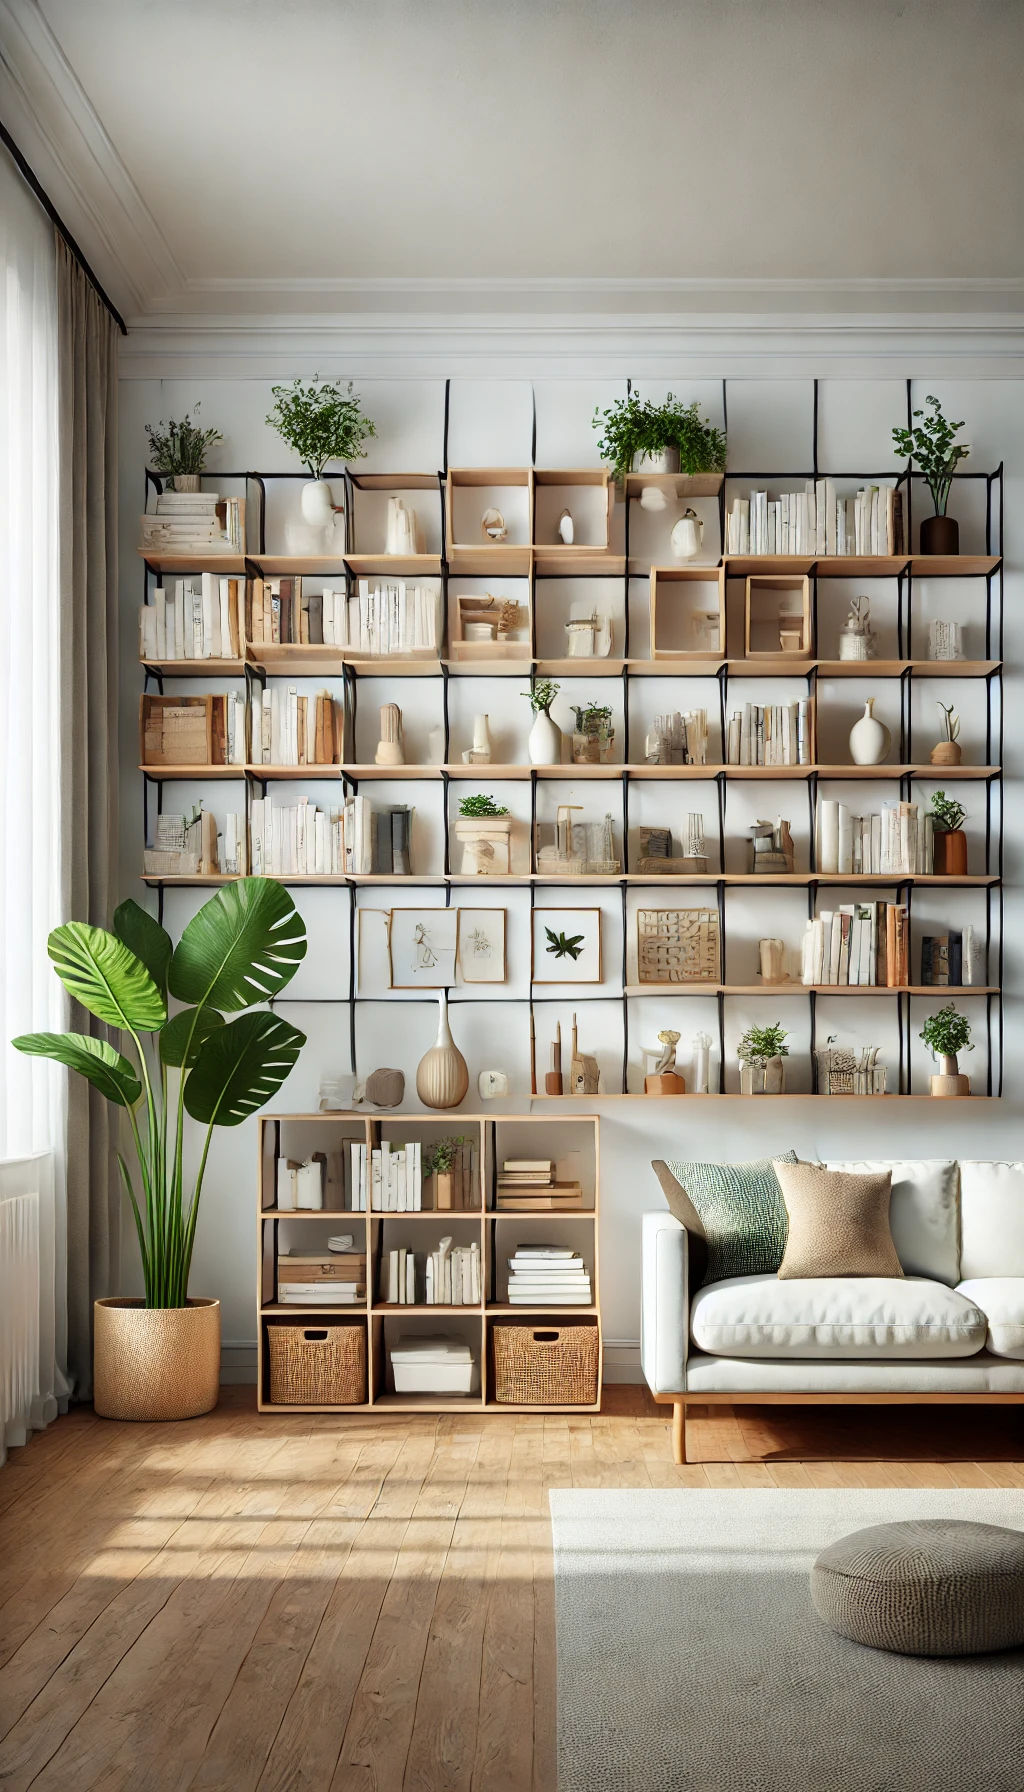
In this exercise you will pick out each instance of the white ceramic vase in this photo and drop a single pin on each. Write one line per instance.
(442, 1077)
(318, 504)
(870, 739)
(667, 461)
(545, 742)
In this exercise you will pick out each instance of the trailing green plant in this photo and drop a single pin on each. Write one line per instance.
(592, 718)
(947, 1033)
(761, 1043)
(543, 694)
(180, 447)
(439, 1157)
(242, 947)
(633, 427)
(949, 815)
(932, 446)
(564, 947)
(481, 806)
(321, 422)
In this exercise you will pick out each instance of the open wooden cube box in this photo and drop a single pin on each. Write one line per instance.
(490, 519)
(688, 612)
(586, 495)
(484, 627)
(778, 612)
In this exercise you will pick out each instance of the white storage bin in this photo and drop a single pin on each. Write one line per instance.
(434, 1365)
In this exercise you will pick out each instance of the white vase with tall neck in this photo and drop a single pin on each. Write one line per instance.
(545, 742)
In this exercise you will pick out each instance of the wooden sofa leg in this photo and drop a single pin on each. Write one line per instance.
(679, 1431)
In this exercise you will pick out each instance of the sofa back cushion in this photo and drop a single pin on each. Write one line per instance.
(742, 1213)
(991, 1219)
(923, 1214)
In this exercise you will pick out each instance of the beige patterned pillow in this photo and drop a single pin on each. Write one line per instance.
(838, 1222)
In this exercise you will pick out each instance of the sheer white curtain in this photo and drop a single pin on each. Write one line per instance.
(32, 1091)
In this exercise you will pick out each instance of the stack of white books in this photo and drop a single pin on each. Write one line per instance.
(817, 521)
(187, 523)
(186, 621)
(390, 617)
(547, 1276)
(388, 1179)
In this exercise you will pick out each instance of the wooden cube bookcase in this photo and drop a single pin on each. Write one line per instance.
(472, 490)
(680, 597)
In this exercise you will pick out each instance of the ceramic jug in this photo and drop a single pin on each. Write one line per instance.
(687, 536)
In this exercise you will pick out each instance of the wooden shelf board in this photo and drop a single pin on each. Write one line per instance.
(794, 987)
(579, 668)
(349, 1306)
(863, 566)
(199, 772)
(577, 562)
(729, 1095)
(395, 482)
(205, 881)
(552, 1306)
(310, 1213)
(284, 774)
(430, 1402)
(384, 1306)
(228, 565)
(692, 666)
(394, 566)
(503, 773)
(276, 566)
(681, 485)
(503, 560)
(195, 668)
(434, 880)
(545, 1213)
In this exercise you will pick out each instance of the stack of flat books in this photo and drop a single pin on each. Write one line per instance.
(321, 1278)
(527, 1185)
(547, 1276)
(194, 522)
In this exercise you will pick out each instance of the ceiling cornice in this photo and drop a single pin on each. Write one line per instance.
(54, 124)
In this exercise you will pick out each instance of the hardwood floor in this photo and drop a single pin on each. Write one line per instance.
(247, 1604)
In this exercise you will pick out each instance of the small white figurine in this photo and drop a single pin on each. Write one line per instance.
(565, 528)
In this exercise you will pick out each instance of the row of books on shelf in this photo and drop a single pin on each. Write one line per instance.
(289, 729)
(449, 1276)
(387, 617)
(300, 840)
(771, 734)
(391, 1178)
(194, 522)
(867, 944)
(197, 731)
(897, 841)
(818, 521)
(548, 1275)
(192, 622)
(191, 846)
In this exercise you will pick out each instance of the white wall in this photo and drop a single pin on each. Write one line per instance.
(769, 426)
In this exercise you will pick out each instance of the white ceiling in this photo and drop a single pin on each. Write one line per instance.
(281, 156)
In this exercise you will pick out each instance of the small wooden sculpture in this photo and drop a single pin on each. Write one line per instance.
(389, 747)
(553, 1077)
(947, 751)
(584, 1073)
(664, 1079)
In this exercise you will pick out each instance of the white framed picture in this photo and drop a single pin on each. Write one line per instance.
(422, 944)
(482, 945)
(566, 945)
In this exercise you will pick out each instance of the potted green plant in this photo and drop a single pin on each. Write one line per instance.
(484, 827)
(593, 736)
(932, 446)
(949, 840)
(946, 1034)
(159, 1357)
(545, 742)
(762, 1052)
(321, 422)
(179, 450)
(439, 1163)
(640, 436)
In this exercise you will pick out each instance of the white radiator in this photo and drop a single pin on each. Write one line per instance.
(19, 1314)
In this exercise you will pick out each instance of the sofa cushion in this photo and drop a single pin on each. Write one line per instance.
(991, 1219)
(924, 1215)
(838, 1223)
(741, 1210)
(1001, 1299)
(867, 1316)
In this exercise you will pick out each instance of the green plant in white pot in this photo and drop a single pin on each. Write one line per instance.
(179, 450)
(639, 435)
(159, 1358)
(762, 1052)
(322, 423)
(947, 1033)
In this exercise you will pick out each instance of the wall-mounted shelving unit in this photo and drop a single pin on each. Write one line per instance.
(531, 495)
(571, 1140)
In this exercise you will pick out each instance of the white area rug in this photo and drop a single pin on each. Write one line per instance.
(690, 1657)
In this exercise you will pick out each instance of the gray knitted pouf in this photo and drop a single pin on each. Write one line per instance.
(931, 1586)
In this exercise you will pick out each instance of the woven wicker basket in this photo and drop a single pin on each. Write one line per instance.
(317, 1365)
(545, 1365)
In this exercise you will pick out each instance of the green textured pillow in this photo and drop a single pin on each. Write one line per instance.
(743, 1214)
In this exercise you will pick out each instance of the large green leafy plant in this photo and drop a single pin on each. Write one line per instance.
(635, 426)
(932, 446)
(241, 948)
(321, 423)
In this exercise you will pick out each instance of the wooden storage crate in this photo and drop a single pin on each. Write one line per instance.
(541, 1364)
(768, 633)
(317, 1363)
(168, 738)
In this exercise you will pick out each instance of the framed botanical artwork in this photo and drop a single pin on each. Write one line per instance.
(482, 945)
(566, 945)
(422, 944)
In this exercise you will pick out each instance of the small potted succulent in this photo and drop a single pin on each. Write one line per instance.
(640, 436)
(946, 1034)
(321, 422)
(937, 456)
(950, 842)
(545, 742)
(179, 450)
(484, 827)
(593, 736)
(761, 1052)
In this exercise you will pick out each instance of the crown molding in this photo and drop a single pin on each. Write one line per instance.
(54, 124)
(640, 346)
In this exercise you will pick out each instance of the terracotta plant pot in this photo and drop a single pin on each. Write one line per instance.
(940, 535)
(946, 752)
(155, 1362)
(950, 855)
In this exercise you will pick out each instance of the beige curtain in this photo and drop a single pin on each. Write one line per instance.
(87, 371)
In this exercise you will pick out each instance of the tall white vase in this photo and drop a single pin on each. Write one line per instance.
(442, 1077)
(870, 739)
(545, 742)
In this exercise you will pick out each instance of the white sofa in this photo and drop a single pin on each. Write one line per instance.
(953, 1331)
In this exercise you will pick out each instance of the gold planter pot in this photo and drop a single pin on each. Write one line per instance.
(155, 1362)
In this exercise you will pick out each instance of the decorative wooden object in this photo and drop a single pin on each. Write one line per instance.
(950, 1083)
(686, 602)
(778, 616)
(678, 945)
(664, 1079)
(772, 956)
(553, 1077)
(442, 1077)
(385, 1088)
(949, 855)
(657, 858)
(584, 1073)
(176, 730)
